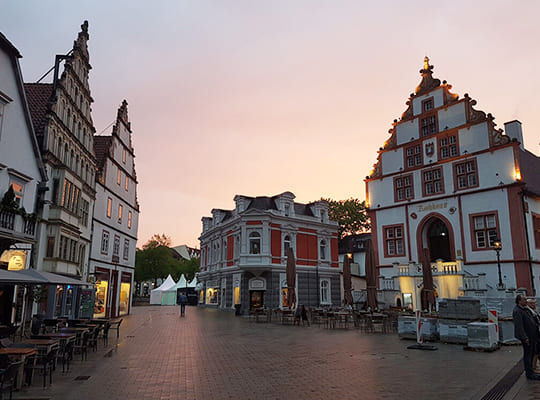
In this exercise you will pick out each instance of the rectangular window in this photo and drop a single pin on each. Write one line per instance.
(428, 125)
(126, 249)
(119, 213)
(484, 230)
(403, 188)
(536, 230)
(124, 152)
(104, 242)
(448, 146)
(119, 177)
(413, 156)
(127, 183)
(427, 105)
(18, 191)
(432, 181)
(50, 247)
(85, 207)
(109, 207)
(465, 174)
(130, 216)
(393, 241)
(116, 246)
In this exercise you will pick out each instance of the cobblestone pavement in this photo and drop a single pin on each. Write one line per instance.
(215, 355)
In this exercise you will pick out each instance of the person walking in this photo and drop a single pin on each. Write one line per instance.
(182, 300)
(526, 330)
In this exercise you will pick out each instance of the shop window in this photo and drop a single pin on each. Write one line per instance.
(413, 156)
(403, 188)
(325, 291)
(254, 243)
(432, 181)
(393, 241)
(123, 305)
(484, 230)
(236, 295)
(465, 174)
(100, 304)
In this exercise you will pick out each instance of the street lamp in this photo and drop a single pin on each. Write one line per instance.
(498, 247)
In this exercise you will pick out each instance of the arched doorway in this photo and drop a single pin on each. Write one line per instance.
(438, 240)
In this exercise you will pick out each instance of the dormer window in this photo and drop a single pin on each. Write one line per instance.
(287, 210)
(323, 215)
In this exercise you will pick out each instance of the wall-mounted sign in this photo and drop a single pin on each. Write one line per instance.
(15, 259)
(432, 206)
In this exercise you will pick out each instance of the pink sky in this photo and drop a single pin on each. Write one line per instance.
(257, 98)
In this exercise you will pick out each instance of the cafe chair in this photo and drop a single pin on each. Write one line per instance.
(8, 377)
(65, 355)
(105, 333)
(116, 326)
(82, 346)
(93, 339)
(45, 364)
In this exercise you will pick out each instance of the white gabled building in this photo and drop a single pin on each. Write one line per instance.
(446, 187)
(116, 217)
(21, 168)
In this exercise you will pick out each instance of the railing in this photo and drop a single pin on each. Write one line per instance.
(472, 283)
(387, 283)
(437, 268)
(29, 228)
(7, 220)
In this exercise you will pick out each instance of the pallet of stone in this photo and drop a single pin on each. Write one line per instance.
(407, 328)
(453, 330)
(467, 309)
(506, 332)
(482, 335)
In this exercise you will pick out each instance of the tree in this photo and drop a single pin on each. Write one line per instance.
(350, 214)
(187, 267)
(155, 260)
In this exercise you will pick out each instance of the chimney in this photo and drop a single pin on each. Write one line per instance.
(513, 130)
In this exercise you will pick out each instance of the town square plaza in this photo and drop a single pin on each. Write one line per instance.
(211, 354)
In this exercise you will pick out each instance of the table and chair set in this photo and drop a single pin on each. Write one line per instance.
(50, 343)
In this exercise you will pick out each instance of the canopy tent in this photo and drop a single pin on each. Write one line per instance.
(13, 277)
(155, 295)
(168, 297)
(193, 283)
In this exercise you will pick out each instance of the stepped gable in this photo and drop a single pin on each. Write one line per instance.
(39, 96)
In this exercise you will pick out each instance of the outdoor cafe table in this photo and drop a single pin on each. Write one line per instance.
(44, 345)
(19, 353)
(63, 337)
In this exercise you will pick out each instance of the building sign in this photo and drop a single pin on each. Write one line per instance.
(432, 207)
(15, 259)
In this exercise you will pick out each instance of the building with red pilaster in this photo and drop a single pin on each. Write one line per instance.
(243, 254)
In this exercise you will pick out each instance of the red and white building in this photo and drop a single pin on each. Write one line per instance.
(448, 184)
(243, 254)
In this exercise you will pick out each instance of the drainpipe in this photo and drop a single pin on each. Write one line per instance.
(527, 241)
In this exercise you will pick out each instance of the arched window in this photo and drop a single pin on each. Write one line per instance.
(254, 243)
(77, 165)
(325, 291)
(286, 244)
(68, 121)
(66, 154)
(322, 250)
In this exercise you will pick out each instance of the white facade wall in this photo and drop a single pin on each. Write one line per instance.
(452, 116)
(438, 100)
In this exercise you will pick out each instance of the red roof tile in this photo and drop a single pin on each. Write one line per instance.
(39, 95)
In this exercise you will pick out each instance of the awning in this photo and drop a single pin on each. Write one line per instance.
(15, 278)
(48, 277)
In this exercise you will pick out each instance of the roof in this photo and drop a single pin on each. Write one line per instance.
(185, 252)
(39, 95)
(262, 203)
(529, 166)
(8, 46)
(353, 243)
(102, 144)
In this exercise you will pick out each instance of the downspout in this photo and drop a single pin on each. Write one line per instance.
(522, 193)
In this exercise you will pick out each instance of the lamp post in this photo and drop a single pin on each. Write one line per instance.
(498, 247)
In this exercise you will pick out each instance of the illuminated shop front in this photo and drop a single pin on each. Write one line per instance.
(125, 290)
(212, 295)
(102, 286)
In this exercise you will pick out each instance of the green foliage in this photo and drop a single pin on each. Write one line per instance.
(187, 267)
(350, 214)
(8, 201)
(155, 260)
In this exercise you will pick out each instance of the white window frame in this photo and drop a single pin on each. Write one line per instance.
(325, 290)
(254, 242)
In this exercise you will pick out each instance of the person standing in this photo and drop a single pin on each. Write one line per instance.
(526, 330)
(531, 305)
(182, 300)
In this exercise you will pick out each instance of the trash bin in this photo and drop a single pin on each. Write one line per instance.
(237, 309)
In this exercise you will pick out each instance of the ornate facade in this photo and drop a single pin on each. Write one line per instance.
(243, 254)
(448, 188)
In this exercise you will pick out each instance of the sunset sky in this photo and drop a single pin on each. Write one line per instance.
(261, 97)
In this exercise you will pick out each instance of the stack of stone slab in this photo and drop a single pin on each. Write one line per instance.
(407, 328)
(504, 307)
(482, 335)
(454, 316)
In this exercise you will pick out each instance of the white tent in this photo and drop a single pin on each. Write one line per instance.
(193, 283)
(155, 295)
(168, 297)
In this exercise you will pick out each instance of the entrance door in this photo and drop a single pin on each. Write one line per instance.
(114, 294)
(438, 241)
(256, 299)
